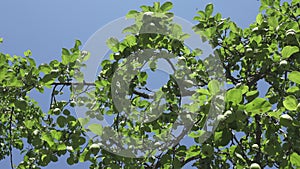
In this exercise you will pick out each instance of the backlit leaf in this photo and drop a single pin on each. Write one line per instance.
(258, 105)
(288, 51)
(96, 129)
(290, 102)
(294, 76)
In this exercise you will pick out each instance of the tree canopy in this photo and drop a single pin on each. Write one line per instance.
(229, 127)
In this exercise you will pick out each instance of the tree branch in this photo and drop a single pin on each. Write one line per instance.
(258, 133)
(10, 137)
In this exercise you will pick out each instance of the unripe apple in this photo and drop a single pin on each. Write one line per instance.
(286, 120)
(255, 166)
(240, 115)
(95, 148)
(56, 111)
(208, 150)
(148, 13)
(228, 113)
(255, 29)
(249, 50)
(290, 32)
(255, 147)
(72, 103)
(283, 63)
(229, 116)
(54, 71)
(221, 117)
(36, 132)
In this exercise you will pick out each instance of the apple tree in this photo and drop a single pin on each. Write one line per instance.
(254, 130)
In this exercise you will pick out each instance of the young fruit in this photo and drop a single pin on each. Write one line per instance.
(229, 116)
(290, 32)
(208, 150)
(95, 148)
(286, 120)
(56, 111)
(241, 115)
(283, 62)
(255, 147)
(255, 166)
(221, 117)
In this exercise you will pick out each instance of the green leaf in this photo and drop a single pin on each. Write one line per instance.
(113, 44)
(295, 159)
(56, 134)
(61, 121)
(96, 129)
(288, 51)
(61, 147)
(21, 104)
(209, 9)
(70, 161)
(1, 40)
(84, 156)
(130, 40)
(83, 121)
(273, 21)
(156, 5)
(29, 124)
(258, 105)
(166, 6)
(234, 95)
(196, 134)
(192, 151)
(65, 51)
(47, 137)
(77, 44)
(293, 89)
(259, 18)
(214, 87)
(233, 27)
(132, 14)
(290, 103)
(14, 82)
(27, 53)
(222, 138)
(277, 113)
(294, 76)
(66, 59)
(203, 91)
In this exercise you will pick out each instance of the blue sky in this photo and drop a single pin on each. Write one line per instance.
(45, 27)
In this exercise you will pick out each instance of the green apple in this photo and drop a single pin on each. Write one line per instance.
(95, 148)
(255, 147)
(249, 50)
(72, 103)
(283, 63)
(207, 149)
(240, 115)
(56, 111)
(255, 166)
(290, 32)
(229, 116)
(221, 117)
(286, 120)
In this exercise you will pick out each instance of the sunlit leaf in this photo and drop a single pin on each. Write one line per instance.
(288, 51)
(96, 129)
(294, 76)
(290, 102)
(166, 6)
(258, 105)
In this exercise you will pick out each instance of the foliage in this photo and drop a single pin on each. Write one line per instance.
(268, 126)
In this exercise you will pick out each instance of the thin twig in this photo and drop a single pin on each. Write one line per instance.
(10, 137)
